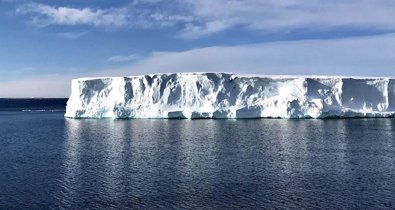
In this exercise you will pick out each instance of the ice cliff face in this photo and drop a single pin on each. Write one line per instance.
(220, 95)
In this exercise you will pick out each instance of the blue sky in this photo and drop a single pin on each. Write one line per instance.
(44, 44)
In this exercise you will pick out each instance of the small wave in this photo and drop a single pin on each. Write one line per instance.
(44, 110)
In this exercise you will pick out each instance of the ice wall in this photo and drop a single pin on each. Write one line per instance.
(220, 95)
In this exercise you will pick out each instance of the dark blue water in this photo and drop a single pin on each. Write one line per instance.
(27, 105)
(47, 161)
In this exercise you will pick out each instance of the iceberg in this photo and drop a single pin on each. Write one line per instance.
(225, 95)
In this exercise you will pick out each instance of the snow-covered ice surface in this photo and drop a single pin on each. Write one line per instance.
(223, 95)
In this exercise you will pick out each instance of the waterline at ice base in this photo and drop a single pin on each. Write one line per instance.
(224, 95)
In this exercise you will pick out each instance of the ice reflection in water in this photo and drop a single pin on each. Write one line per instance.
(228, 163)
(72, 164)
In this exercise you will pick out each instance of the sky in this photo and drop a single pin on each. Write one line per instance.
(45, 44)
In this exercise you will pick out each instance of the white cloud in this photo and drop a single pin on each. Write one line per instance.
(368, 56)
(136, 14)
(201, 18)
(274, 15)
(122, 58)
(50, 15)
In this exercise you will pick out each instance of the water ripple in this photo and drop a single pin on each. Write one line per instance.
(56, 163)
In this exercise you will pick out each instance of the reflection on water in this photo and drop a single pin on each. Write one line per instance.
(72, 163)
(200, 164)
(227, 163)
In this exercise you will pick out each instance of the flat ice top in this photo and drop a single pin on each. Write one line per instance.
(242, 75)
(228, 95)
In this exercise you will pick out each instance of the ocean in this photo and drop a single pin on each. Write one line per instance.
(49, 162)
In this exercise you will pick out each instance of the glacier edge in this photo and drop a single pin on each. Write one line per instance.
(225, 95)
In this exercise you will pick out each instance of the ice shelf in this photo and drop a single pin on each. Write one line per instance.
(223, 95)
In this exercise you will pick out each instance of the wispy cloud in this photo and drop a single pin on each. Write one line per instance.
(367, 56)
(122, 58)
(197, 19)
(274, 15)
(137, 14)
(49, 15)
(72, 34)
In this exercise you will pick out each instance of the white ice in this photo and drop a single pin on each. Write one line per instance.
(222, 95)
